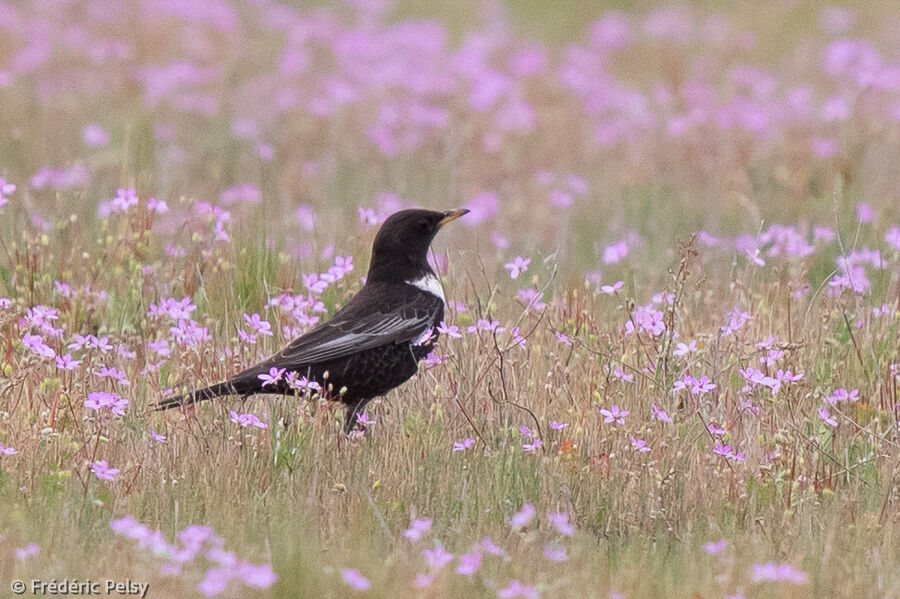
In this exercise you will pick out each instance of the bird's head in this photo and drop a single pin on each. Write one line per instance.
(400, 251)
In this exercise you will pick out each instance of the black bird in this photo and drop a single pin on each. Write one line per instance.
(375, 342)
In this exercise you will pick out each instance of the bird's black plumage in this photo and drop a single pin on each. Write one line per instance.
(372, 344)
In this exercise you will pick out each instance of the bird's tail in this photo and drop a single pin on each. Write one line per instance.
(198, 395)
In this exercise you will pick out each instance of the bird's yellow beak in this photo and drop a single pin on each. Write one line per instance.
(450, 215)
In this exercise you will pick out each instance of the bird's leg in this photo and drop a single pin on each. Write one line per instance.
(352, 415)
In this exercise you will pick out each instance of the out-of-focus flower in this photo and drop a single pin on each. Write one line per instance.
(640, 445)
(449, 330)
(826, 417)
(517, 266)
(437, 558)
(157, 206)
(646, 318)
(417, 529)
(112, 373)
(683, 349)
(464, 444)
(517, 337)
(306, 216)
(737, 318)
(610, 289)
(300, 383)
(215, 581)
(893, 237)
(481, 208)
(555, 553)
(563, 338)
(102, 471)
(772, 572)
(622, 375)
(660, 414)
(696, 386)
(728, 453)
(614, 414)
(532, 298)
(560, 522)
(98, 400)
(94, 136)
(469, 563)
(354, 579)
(66, 362)
(715, 547)
(516, 589)
(246, 419)
(273, 376)
(842, 395)
(23, 553)
(489, 547)
(36, 344)
(6, 188)
(715, 430)
(864, 213)
(7, 450)
(533, 446)
(521, 518)
(258, 324)
(615, 252)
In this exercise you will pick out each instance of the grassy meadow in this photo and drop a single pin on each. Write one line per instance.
(670, 362)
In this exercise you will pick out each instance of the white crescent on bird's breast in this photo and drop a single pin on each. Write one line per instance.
(430, 284)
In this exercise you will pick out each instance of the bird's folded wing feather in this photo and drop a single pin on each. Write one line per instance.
(339, 339)
(370, 320)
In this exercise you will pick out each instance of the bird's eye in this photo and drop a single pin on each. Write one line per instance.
(424, 225)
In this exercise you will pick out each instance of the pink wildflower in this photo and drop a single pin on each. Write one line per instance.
(449, 330)
(417, 529)
(273, 376)
(660, 414)
(827, 417)
(469, 563)
(355, 580)
(614, 414)
(522, 517)
(464, 444)
(437, 558)
(640, 445)
(772, 572)
(610, 289)
(560, 522)
(555, 553)
(102, 471)
(246, 419)
(715, 547)
(517, 266)
(7, 450)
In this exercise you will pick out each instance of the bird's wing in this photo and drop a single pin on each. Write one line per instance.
(336, 340)
(365, 323)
